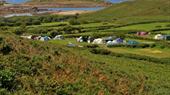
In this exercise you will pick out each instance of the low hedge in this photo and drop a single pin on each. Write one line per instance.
(92, 46)
(135, 46)
(100, 51)
(131, 56)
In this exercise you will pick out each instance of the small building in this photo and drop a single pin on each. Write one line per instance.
(2, 1)
(159, 37)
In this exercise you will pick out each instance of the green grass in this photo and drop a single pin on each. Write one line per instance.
(153, 52)
(132, 11)
(77, 71)
(166, 32)
(133, 70)
(145, 27)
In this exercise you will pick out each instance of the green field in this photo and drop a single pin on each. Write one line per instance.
(146, 27)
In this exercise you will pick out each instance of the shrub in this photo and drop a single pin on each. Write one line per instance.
(1, 40)
(6, 49)
(92, 46)
(168, 25)
(100, 51)
(159, 26)
(133, 46)
(36, 22)
(152, 45)
(7, 80)
(74, 22)
(18, 31)
(54, 33)
(162, 47)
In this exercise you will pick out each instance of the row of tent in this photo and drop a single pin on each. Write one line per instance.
(162, 37)
(109, 41)
(156, 37)
(43, 38)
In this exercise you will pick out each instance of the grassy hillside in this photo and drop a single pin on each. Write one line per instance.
(131, 11)
(33, 67)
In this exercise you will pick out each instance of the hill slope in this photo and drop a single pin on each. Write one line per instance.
(134, 10)
(41, 68)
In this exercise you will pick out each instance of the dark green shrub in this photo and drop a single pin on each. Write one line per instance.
(7, 80)
(54, 33)
(168, 25)
(1, 40)
(162, 47)
(36, 22)
(19, 31)
(152, 45)
(100, 51)
(6, 49)
(74, 22)
(92, 46)
(159, 26)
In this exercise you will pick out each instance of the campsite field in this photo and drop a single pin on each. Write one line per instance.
(129, 70)
(40, 55)
(77, 70)
(124, 70)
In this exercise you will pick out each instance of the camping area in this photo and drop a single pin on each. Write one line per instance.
(121, 49)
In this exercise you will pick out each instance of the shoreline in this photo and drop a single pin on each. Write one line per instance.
(72, 12)
(68, 12)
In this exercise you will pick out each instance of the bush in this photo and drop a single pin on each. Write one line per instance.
(18, 31)
(100, 51)
(92, 46)
(1, 40)
(168, 25)
(6, 49)
(74, 22)
(36, 22)
(54, 33)
(7, 80)
(133, 46)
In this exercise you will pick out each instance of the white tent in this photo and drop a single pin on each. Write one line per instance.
(80, 39)
(59, 37)
(27, 37)
(46, 38)
(98, 41)
(159, 37)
